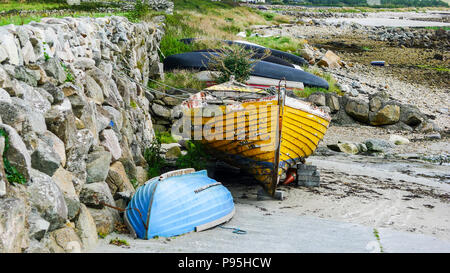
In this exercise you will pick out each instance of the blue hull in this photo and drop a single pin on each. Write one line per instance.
(178, 204)
(200, 61)
(378, 63)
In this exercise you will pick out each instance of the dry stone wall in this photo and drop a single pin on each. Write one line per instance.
(74, 123)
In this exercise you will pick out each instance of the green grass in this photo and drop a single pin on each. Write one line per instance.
(176, 29)
(119, 242)
(202, 6)
(179, 79)
(196, 156)
(134, 182)
(165, 137)
(326, 76)
(443, 27)
(437, 68)
(85, 9)
(278, 42)
(22, 20)
(33, 5)
(377, 235)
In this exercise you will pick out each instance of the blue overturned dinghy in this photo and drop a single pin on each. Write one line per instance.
(178, 202)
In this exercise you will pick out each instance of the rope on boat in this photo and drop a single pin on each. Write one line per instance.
(235, 230)
(149, 89)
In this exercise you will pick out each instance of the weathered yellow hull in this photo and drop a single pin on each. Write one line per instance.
(262, 136)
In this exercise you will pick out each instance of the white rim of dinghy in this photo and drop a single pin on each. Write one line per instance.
(176, 173)
(215, 222)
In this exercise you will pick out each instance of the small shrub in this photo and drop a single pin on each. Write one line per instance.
(69, 76)
(233, 60)
(119, 242)
(154, 160)
(12, 174)
(140, 10)
(196, 156)
(164, 137)
(134, 182)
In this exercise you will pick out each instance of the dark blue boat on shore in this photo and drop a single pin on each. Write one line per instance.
(178, 202)
(378, 63)
(200, 61)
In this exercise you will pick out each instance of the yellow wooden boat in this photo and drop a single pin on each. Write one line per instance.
(264, 134)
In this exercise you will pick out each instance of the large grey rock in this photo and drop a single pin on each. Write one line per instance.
(28, 53)
(32, 98)
(411, 115)
(33, 109)
(77, 156)
(97, 166)
(109, 140)
(117, 179)
(357, 109)
(93, 90)
(378, 145)
(65, 181)
(332, 101)
(86, 228)
(67, 239)
(47, 198)
(9, 48)
(116, 117)
(45, 159)
(26, 75)
(56, 144)
(17, 153)
(4, 96)
(161, 111)
(318, 98)
(54, 69)
(13, 231)
(54, 91)
(94, 194)
(37, 226)
(84, 63)
(12, 115)
(398, 140)
(105, 219)
(389, 114)
(346, 147)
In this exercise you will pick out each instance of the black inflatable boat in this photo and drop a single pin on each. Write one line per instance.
(200, 60)
(294, 59)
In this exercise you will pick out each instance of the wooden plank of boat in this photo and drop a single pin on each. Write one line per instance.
(254, 81)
